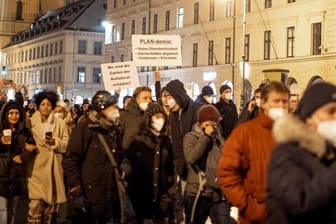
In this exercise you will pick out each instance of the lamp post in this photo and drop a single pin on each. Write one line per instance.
(73, 62)
(234, 45)
(243, 94)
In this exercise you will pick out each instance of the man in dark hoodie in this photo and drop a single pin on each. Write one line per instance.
(182, 117)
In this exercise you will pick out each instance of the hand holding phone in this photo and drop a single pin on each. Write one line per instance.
(48, 138)
(48, 135)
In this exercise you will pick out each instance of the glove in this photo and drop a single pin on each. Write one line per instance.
(78, 203)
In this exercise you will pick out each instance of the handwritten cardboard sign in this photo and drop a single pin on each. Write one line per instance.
(157, 50)
(120, 75)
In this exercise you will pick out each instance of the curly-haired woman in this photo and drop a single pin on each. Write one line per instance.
(45, 182)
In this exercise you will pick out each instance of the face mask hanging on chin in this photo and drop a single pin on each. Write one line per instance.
(277, 112)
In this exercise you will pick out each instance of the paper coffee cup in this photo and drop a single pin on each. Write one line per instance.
(8, 132)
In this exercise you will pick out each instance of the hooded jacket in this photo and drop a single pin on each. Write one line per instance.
(301, 184)
(181, 122)
(13, 175)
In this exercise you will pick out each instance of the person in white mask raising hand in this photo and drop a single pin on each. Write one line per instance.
(252, 108)
(302, 169)
(131, 117)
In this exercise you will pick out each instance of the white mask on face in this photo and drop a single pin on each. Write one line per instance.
(158, 124)
(171, 103)
(328, 130)
(258, 100)
(227, 96)
(209, 100)
(59, 115)
(143, 106)
(113, 115)
(276, 113)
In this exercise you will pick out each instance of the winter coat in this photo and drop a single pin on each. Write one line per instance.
(87, 165)
(301, 186)
(229, 115)
(13, 175)
(196, 146)
(243, 166)
(201, 100)
(130, 120)
(45, 180)
(181, 122)
(151, 161)
(247, 115)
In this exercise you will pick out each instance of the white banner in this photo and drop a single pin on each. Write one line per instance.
(120, 75)
(157, 50)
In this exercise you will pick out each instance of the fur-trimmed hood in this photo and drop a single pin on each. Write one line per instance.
(291, 129)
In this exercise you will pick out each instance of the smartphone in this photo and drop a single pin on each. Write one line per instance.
(48, 135)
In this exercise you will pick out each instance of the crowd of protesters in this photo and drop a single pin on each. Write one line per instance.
(149, 161)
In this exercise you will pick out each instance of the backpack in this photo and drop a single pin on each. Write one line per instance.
(211, 164)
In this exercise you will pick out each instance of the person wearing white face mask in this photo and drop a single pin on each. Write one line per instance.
(61, 112)
(131, 117)
(251, 110)
(202, 196)
(206, 96)
(228, 111)
(152, 170)
(88, 172)
(181, 119)
(243, 165)
(302, 169)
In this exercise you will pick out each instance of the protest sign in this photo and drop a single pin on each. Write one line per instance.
(120, 75)
(157, 50)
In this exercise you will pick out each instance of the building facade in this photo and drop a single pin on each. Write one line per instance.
(295, 36)
(15, 16)
(61, 51)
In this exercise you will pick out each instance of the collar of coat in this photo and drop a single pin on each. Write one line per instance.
(291, 129)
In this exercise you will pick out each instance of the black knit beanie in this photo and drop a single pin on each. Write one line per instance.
(176, 89)
(206, 91)
(223, 88)
(314, 97)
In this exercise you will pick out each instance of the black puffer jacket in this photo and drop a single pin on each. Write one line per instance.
(87, 165)
(151, 160)
(301, 186)
(13, 175)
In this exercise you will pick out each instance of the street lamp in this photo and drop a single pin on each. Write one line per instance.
(243, 94)
(233, 44)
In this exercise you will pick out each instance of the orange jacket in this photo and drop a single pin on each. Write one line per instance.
(242, 169)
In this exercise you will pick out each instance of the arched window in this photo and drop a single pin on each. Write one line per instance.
(19, 10)
(213, 87)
